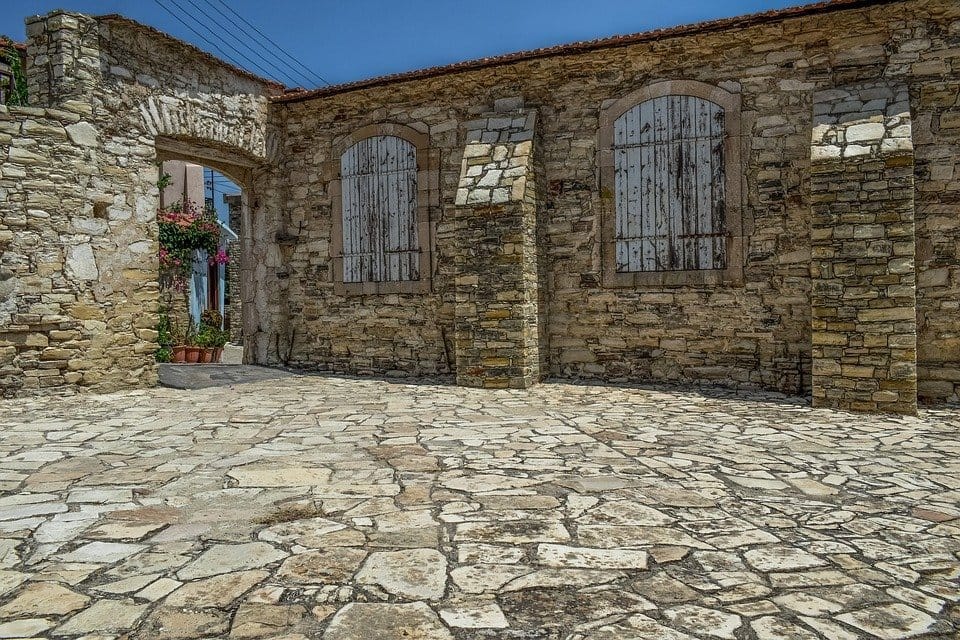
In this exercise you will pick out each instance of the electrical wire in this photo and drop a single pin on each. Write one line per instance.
(203, 37)
(279, 70)
(276, 46)
(230, 186)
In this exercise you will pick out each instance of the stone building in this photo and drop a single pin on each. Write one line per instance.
(771, 201)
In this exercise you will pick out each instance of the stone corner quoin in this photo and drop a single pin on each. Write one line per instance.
(549, 228)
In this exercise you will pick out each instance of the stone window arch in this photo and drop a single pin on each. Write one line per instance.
(671, 184)
(381, 233)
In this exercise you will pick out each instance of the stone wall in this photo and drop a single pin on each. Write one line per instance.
(863, 301)
(749, 334)
(936, 137)
(234, 311)
(78, 272)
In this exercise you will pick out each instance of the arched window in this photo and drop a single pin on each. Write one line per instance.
(379, 192)
(669, 185)
(383, 184)
(670, 149)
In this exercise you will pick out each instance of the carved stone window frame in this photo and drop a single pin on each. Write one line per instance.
(732, 274)
(427, 196)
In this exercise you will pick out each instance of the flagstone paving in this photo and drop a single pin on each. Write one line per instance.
(345, 509)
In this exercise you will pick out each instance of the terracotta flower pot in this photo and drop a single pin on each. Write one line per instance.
(217, 354)
(206, 355)
(179, 353)
(193, 354)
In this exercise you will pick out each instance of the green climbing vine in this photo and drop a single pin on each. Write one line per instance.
(18, 90)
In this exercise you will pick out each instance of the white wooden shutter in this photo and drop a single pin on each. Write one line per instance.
(379, 192)
(669, 190)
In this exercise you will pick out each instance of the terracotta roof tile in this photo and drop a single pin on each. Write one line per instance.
(591, 45)
(19, 46)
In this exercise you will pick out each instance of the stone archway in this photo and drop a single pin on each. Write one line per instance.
(241, 169)
(110, 97)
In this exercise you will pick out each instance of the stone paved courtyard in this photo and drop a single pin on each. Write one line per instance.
(324, 507)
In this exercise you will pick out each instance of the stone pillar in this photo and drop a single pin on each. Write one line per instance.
(234, 310)
(63, 58)
(497, 334)
(863, 243)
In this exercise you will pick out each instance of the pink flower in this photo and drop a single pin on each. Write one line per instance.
(221, 257)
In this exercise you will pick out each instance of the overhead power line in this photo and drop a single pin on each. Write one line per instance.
(205, 39)
(237, 55)
(318, 78)
(219, 178)
(281, 70)
(227, 189)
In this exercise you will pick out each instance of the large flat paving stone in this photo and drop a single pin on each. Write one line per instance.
(415, 574)
(376, 621)
(227, 558)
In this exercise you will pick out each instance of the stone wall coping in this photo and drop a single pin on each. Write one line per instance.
(273, 86)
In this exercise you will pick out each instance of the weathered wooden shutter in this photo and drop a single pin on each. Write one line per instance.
(379, 191)
(670, 185)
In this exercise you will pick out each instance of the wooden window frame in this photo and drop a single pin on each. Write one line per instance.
(732, 274)
(427, 196)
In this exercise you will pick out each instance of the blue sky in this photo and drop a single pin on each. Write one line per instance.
(344, 40)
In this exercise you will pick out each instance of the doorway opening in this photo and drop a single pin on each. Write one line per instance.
(200, 219)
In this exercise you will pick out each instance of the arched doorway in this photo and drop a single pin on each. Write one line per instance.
(213, 184)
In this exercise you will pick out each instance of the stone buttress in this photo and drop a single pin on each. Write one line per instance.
(864, 303)
(497, 275)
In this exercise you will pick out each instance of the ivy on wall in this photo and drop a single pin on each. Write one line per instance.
(17, 97)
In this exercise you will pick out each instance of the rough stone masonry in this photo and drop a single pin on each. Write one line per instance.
(863, 246)
(843, 212)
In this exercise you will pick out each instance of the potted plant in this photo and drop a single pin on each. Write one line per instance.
(178, 346)
(164, 338)
(223, 336)
(206, 336)
(209, 335)
(192, 348)
(211, 318)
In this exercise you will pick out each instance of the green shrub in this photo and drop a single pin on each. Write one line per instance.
(164, 329)
(211, 318)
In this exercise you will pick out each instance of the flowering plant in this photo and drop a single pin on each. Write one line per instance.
(221, 257)
(184, 229)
